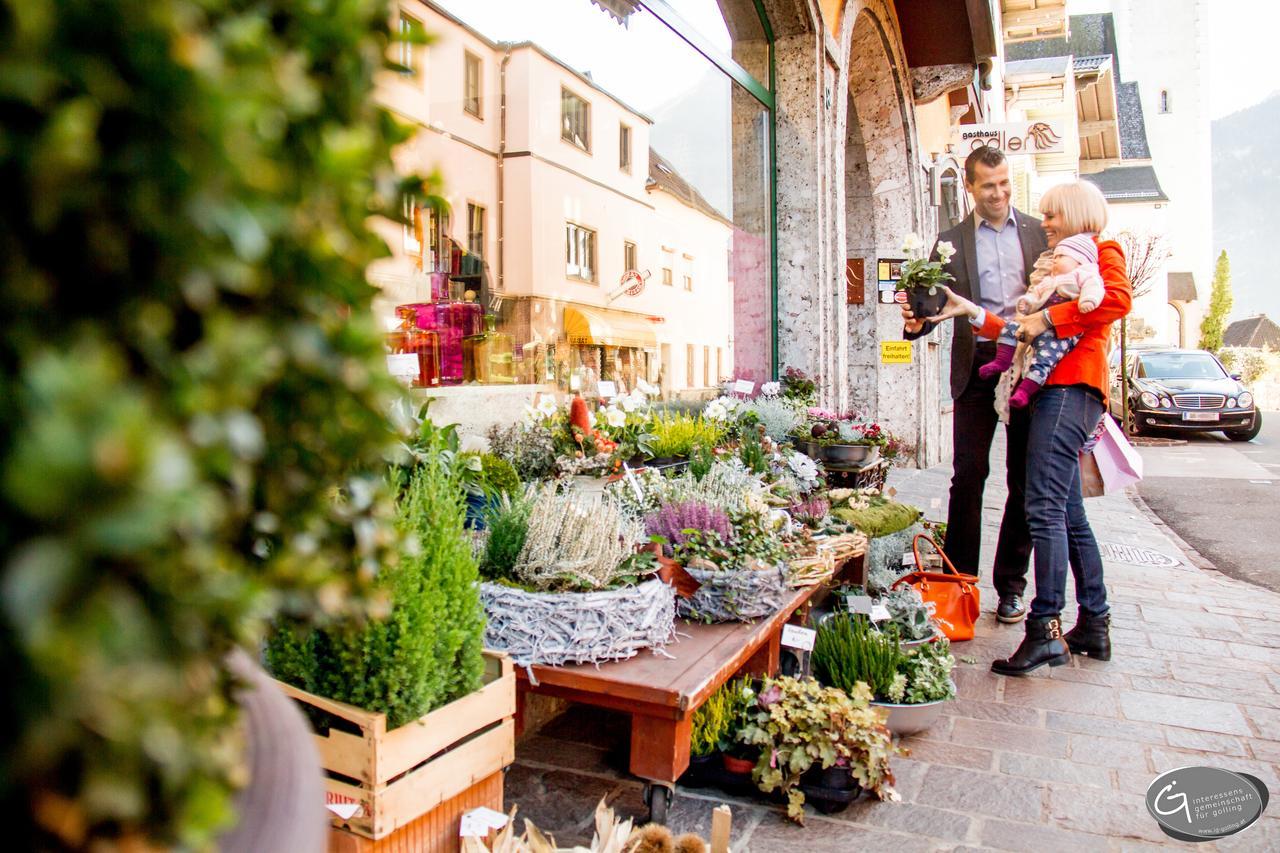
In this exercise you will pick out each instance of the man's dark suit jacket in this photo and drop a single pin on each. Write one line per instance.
(964, 266)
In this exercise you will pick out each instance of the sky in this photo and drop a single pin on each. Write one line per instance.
(1240, 48)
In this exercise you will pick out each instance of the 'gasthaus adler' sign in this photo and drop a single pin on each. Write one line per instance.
(1017, 137)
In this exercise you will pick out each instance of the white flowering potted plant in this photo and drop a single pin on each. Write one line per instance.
(922, 278)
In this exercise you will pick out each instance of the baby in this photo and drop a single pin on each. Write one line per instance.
(1074, 275)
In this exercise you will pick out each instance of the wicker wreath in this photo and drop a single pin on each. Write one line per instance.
(555, 628)
(736, 596)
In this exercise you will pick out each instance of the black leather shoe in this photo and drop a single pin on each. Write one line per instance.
(1091, 635)
(1042, 645)
(1011, 609)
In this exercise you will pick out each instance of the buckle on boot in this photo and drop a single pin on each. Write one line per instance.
(1053, 630)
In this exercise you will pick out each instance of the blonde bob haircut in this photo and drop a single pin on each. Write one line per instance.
(1079, 206)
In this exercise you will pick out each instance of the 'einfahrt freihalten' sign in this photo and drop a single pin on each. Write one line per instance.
(1018, 137)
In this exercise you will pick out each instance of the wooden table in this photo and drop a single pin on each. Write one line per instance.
(661, 694)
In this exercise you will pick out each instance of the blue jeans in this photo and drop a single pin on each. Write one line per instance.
(1062, 418)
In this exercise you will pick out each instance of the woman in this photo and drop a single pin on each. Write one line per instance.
(1064, 414)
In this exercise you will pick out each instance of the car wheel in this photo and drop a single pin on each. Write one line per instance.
(1246, 434)
(1131, 426)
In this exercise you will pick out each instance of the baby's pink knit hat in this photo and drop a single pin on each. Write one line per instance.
(1079, 246)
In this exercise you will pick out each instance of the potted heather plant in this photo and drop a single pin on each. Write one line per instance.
(714, 741)
(818, 741)
(922, 278)
(912, 684)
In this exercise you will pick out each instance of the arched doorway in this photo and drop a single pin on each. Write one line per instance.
(881, 195)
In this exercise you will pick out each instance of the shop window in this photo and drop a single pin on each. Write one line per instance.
(475, 229)
(575, 120)
(409, 46)
(472, 82)
(1164, 101)
(580, 252)
(690, 189)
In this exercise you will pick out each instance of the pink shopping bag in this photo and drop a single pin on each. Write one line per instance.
(1111, 465)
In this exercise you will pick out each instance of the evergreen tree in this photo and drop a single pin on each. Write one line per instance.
(1214, 324)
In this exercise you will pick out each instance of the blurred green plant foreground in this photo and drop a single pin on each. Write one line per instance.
(193, 419)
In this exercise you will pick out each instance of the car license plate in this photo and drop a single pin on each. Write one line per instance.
(1199, 416)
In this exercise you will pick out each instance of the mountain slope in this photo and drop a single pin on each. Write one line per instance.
(1246, 205)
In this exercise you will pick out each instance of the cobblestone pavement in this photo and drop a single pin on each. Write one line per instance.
(1056, 761)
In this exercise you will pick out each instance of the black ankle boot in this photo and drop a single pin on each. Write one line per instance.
(1091, 636)
(1042, 645)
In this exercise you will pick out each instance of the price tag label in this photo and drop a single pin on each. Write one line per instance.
(858, 604)
(744, 386)
(403, 366)
(575, 382)
(346, 811)
(607, 389)
(795, 637)
(880, 613)
(477, 822)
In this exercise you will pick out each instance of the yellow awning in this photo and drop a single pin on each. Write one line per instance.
(602, 327)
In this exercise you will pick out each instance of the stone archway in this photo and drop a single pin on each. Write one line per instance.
(881, 205)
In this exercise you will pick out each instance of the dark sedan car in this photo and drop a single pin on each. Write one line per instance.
(1185, 389)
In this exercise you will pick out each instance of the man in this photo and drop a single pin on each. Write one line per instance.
(996, 250)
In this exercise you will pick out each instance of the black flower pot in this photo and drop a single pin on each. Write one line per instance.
(830, 789)
(702, 772)
(923, 304)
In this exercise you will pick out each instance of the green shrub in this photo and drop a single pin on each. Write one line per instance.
(679, 434)
(499, 475)
(508, 526)
(189, 371)
(848, 650)
(426, 651)
(717, 723)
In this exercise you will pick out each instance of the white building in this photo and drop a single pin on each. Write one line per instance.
(555, 194)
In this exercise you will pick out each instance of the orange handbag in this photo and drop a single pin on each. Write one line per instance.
(954, 595)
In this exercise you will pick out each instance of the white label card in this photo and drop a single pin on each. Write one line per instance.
(744, 386)
(607, 389)
(346, 811)
(403, 365)
(795, 637)
(477, 822)
(879, 613)
(858, 603)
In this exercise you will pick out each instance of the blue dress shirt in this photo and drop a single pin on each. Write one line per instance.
(1001, 271)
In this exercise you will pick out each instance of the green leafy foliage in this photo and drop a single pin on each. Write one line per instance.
(799, 723)
(499, 476)
(508, 526)
(927, 673)
(1214, 324)
(719, 721)
(850, 653)
(194, 400)
(426, 651)
(677, 435)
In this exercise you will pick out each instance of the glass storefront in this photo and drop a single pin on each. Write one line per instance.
(609, 189)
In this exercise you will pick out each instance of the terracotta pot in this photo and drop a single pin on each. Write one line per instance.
(739, 766)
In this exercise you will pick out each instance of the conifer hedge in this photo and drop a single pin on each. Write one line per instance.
(192, 426)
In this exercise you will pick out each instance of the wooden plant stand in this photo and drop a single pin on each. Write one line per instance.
(416, 780)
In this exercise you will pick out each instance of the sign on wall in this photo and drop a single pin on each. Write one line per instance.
(1017, 137)
(888, 272)
(895, 352)
(854, 281)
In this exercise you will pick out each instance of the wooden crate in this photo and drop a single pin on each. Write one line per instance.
(434, 832)
(401, 775)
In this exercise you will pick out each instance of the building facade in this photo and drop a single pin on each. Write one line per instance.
(761, 157)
